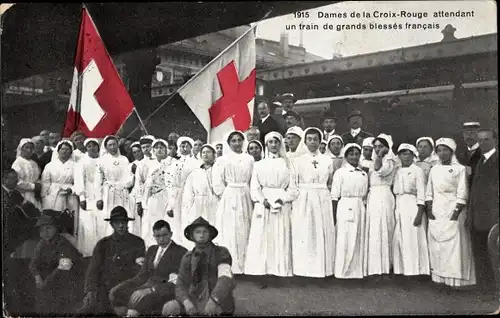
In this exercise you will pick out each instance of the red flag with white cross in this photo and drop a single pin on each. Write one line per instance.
(99, 102)
(222, 94)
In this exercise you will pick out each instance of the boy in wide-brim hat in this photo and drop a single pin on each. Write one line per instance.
(201, 290)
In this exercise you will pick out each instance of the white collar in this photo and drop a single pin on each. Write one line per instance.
(489, 154)
(354, 132)
(265, 118)
(283, 112)
(335, 157)
(166, 247)
(476, 145)
(325, 133)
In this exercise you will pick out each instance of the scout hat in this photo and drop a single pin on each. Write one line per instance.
(188, 231)
(118, 213)
(355, 113)
(286, 96)
(46, 219)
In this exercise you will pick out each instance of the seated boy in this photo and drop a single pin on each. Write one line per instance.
(205, 283)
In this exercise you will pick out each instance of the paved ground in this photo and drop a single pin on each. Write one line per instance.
(364, 297)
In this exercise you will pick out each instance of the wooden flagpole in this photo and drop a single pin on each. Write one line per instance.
(252, 28)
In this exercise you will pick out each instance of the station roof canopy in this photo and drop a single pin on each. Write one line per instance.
(41, 37)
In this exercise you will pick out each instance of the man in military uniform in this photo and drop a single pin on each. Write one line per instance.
(116, 258)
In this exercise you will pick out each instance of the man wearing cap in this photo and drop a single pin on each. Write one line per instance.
(329, 122)
(355, 134)
(471, 156)
(114, 260)
(267, 122)
(205, 283)
(293, 119)
(287, 101)
(155, 283)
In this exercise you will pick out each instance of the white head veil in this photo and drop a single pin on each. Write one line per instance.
(303, 141)
(158, 141)
(296, 130)
(23, 142)
(328, 152)
(433, 156)
(410, 147)
(227, 147)
(263, 154)
(450, 143)
(345, 149)
(103, 151)
(277, 135)
(87, 141)
(55, 153)
(184, 139)
(390, 155)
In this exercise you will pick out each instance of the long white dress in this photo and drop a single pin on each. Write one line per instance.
(313, 229)
(269, 250)
(114, 179)
(232, 174)
(380, 219)
(410, 249)
(186, 164)
(198, 199)
(349, 188)
(89, 221)
(158, 198)
(450, 249)
(28, 174)
(56, 177)
(135, 196)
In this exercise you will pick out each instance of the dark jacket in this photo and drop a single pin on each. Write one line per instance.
(113, 261)
(219, 288)
(470, 160)
(158, 277)
(483, 200)
(60, 291)
(43, 160)
(348, 138)
(271, 124)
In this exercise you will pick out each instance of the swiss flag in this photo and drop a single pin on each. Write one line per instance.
(104, 101)
(222, 94)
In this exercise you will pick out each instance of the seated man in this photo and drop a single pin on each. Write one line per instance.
(155, 283)
(200, 288)
(114, 260)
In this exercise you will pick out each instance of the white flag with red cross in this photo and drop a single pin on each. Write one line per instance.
(99, 102)
(222, 94)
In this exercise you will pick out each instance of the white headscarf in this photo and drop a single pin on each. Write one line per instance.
(390, 155)
(184, 139)
(23, 142)
(328, 152)
(277, 135)
(410, 147)
(103, 151)
(55, 153)
(303, 141)
(135, 144)
(158, 141)
(345, 149)
(368, 142)
(301, 148)
(433, 156)
(85, 143)
(227, 147)
(450, 143)
(258, 143)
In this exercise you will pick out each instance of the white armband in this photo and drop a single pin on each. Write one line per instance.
(139, 261)
(224, 270)
(65, 264)
(172, 278)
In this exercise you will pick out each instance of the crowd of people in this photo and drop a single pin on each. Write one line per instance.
(277, 200)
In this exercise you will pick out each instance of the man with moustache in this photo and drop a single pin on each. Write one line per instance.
(355, 134)
(267, 122)
(470, 156)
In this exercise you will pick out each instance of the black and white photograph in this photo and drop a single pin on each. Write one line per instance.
(257, 158)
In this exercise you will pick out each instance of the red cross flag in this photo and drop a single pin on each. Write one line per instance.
(222, 94)
(99, 103)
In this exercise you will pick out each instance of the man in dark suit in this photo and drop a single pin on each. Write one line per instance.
(329, 123)
(39, 156)
(471, 156)
(114, 260)
(355, 134)
(267, 122)
(483, 206)
(154, 285)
